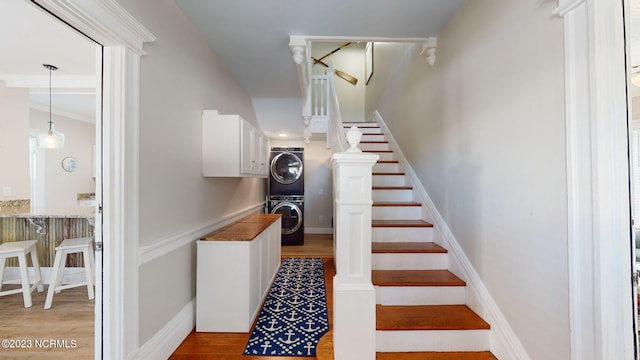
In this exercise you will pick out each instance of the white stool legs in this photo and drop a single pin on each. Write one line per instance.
(20, 249)
(70, 246)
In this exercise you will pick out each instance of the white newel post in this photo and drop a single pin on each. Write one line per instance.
(354, 303)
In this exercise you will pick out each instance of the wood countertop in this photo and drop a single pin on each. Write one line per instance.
(245, 229)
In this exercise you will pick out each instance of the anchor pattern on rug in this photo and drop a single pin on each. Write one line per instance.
(294, 316)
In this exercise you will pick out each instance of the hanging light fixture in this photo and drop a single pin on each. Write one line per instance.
(50, 138)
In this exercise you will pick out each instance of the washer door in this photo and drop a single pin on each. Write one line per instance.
(291, 217)
(286, 168)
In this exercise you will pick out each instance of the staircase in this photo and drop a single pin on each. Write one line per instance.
(420, 311)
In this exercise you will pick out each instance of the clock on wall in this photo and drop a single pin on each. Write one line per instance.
(69, 164)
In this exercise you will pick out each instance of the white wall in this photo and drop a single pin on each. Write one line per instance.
(318, 184)
(484, 131)
(61, 188)
(351, 61)
(180, 76)
(14, 143)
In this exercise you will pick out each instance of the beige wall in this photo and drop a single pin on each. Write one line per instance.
(484, 131)
(351, 61)
(180, 77)
(14, 143)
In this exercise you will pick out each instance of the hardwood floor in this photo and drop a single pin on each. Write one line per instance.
(226, 346)
(315, 245)
(63, 332)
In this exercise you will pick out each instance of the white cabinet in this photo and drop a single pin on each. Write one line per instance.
(231, 147)
(234, 274)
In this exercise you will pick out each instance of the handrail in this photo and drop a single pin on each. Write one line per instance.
(336, 139)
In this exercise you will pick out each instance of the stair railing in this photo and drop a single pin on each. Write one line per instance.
(354, 300)
(336, 139)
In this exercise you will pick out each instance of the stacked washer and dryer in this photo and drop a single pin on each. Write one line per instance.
(286, 192)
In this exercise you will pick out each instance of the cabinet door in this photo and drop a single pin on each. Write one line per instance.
(258, 164)
(246, 147)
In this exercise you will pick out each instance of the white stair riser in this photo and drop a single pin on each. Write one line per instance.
(396, 213)
(405, 234)
(388, 180)
(374, 146)
(372, 137)
(392, 195)
(400, 261)
(432, 340)
(386, 167)
(384, 155)
(420, 295)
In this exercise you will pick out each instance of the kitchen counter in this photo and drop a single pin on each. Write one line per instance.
(244, 230)
(83, 212)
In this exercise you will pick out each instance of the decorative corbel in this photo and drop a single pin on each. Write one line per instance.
(298, 47)
(429, 48)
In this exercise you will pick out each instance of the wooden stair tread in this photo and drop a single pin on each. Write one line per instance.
(377, 151)
(400, 223)
(460, 355)
(406, 247)
(388, 161)
(374, 142)
(415, 278)
(396, 203)
(392, 188)
(428, 317)
(387, 173)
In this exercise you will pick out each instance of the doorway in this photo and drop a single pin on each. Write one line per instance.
(56, 201)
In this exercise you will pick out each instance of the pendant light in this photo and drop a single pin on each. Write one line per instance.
(50, 138)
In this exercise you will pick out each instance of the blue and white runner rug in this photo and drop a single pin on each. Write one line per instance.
(294, 315)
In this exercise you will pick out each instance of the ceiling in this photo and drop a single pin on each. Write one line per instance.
(251, 37)
(29, 38)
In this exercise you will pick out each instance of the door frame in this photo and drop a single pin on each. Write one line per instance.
(123, 39)
(599, 224)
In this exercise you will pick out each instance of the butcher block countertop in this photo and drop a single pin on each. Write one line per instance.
(243, 230)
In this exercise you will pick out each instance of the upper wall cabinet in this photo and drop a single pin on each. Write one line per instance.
(232, 147)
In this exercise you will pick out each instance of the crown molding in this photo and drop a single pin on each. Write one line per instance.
(104, 21)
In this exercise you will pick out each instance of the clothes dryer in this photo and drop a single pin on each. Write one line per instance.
(291, 207)
(286, 171)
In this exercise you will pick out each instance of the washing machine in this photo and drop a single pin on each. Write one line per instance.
(286, 171)
(291, 207)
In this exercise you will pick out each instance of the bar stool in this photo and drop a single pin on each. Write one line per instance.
(71, 246)
(20, 249)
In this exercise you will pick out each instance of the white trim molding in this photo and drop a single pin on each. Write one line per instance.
(123, 39)
(505, 344)
(104, 21)
(158, 249)
(599, 225)
(172, 334)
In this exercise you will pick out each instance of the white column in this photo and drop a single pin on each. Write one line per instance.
(354, 303)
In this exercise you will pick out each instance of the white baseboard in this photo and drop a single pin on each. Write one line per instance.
(172, 334)
(504, 342)
(309, 230)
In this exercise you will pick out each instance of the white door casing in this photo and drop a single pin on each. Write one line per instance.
(122, 38)
(599, 241)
